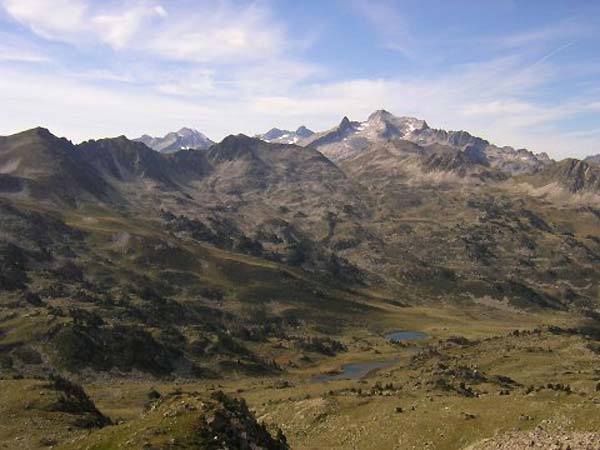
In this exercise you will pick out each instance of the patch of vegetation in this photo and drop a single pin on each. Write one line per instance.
(323, 345)
(73, 399)
(102, 348)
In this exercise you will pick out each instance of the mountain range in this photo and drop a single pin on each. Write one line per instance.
(328, 204)
(350, 138)
(244, 262)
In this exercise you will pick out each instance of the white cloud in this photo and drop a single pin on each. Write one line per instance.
(469, 98)
(215, 31)
(118, 28)
(220, 32)
(80, 110)
(62, 20)
(78, 22)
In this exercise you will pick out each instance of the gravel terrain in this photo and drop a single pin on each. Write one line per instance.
(541, 438)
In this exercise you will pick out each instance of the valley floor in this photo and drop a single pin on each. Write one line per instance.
(503, 381)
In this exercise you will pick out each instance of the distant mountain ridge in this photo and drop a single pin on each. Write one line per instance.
(184, 139)
(275, 135)
(593, 159)
(350, 138)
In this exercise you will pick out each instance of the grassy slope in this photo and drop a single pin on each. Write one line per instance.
(333, 415)
(311, 416)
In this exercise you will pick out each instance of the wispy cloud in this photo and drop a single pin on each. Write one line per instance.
(387, 21)
(568, 29)
(218, 34)
(9, 53)
(554, 52)
(16, 50)
(214, 31)
(79, 22)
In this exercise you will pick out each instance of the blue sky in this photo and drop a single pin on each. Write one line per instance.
(519, 73)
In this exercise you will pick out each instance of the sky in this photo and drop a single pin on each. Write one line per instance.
(519, 73)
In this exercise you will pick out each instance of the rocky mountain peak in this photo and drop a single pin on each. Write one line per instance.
(40, 134)
(184, 139)
(279, 136)
(345, 124)
(272, 134)
(380, 114)
(185, 131)
(304, 132)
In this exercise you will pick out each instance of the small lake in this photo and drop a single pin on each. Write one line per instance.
(355, 371)
(400, 336)
(358, 370)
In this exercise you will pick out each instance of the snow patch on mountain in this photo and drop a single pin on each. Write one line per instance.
(277, 136)
(184, 139)
(350, 139)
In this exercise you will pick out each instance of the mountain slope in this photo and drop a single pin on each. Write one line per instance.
(125, 161)
(573, 175)
(37, 163)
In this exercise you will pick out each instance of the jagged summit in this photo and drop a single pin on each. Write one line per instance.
(184, 139)
(349, 139)
(279, 136)
(272, 134)
(303, 132)
(380, 114)
(345, 124)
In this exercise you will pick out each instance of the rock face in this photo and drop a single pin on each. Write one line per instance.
(184, 139)
(122, 160)
(232, 425)
(349, 139)
(573, 175)
(275, 135)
